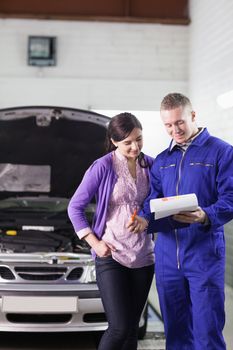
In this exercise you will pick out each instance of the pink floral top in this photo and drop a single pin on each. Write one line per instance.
(132, 250)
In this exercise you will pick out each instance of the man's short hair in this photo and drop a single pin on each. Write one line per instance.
(175, 100)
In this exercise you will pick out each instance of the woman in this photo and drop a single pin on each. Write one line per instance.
(124, 261)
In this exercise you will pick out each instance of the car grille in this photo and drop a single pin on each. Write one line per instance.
(39, 318)
(40, 273)
(94, 317)
(6, 273)
(75, 274)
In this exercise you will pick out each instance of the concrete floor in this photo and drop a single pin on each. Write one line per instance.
(228, 329)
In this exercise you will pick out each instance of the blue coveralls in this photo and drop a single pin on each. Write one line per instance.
(190, 259)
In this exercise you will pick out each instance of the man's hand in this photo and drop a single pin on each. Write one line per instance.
(137, 225)
(191, 217)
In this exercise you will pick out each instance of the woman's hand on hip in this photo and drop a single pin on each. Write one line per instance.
(103, 249)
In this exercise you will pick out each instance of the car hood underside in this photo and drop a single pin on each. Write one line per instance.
(47, 150)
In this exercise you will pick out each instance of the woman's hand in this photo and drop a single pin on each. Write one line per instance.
(103, 249)
(137, 225)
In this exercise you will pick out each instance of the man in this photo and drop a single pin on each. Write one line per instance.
(190, 248)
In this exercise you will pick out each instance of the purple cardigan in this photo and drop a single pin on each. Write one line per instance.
(98, 181)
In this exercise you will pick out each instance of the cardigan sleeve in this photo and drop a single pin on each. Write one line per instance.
(84, 194)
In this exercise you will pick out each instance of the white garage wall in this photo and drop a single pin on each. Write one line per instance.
(155, 137)
(211, 63)
(211, 74)
(99, 65)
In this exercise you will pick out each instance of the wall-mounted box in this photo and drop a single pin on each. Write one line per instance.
(41, 51)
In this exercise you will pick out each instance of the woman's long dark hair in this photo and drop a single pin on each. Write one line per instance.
(120, 126)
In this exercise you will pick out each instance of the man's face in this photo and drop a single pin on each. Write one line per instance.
(179, 123)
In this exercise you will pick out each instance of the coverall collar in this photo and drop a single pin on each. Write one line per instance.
(196, 140)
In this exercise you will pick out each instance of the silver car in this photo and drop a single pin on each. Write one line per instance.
(47, 275)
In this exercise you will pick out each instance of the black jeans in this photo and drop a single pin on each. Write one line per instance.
(124, 292)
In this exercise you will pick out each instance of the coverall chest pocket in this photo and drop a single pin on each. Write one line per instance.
(202, 169)
(168, 175)
(202, 163)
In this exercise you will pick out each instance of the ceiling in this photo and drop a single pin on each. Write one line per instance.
(144, 11)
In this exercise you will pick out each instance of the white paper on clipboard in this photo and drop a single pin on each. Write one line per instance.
(163, 207)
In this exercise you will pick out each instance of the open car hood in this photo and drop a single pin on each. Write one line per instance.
(46, 150)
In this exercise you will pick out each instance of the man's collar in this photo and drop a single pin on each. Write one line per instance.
(185, 145)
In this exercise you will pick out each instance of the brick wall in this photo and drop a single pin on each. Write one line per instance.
(99, 65)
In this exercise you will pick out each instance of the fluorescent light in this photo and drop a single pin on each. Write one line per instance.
(225, 100)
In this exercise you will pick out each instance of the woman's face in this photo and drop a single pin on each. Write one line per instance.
(131, 146)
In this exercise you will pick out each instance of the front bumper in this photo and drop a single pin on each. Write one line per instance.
(32, 308)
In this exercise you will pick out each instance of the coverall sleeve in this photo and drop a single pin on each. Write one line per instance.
(221, 211)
